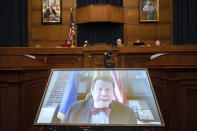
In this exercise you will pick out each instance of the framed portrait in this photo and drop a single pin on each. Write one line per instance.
(149, 10)
(51, 11)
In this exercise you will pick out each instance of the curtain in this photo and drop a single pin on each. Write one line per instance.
(99, 32)
(185, 22)
(13, 23)
(81, 3)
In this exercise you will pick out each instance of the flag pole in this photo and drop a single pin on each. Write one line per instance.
(71, 10)
(73, 39)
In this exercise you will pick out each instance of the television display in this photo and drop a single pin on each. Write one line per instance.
(99, 97)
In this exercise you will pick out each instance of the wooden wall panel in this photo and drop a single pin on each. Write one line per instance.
(132, 16)
(67, 4)
(65, 61)
(136, 60)
(190, 106)
(35, 4)
(30, 89)
(131, 3)
(20, 97)
(161, 30)
(99, 13)
(164, 15)
(141, 31)
(83, 15)
(135, 30)
(52, 33)
(36, 17)
(47, 35)
(165, 3)
(176, 92)
(116, 14)
(10, 107)
(3, 86)
(11, 61)
(66, 17)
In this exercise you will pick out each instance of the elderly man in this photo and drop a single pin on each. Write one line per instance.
(101, 109)
(119, 42)
(50, 13)
(149, 9)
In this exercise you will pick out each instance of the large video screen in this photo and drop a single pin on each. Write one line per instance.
(92, 97)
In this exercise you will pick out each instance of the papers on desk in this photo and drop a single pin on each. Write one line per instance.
(157, 55)
(145, 115)
(30, 56)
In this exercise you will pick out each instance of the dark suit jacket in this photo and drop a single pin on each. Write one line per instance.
(47, 13)
(80, 112)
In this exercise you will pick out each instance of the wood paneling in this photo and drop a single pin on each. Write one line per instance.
(136, 60)
(116, 14)
(20, 105)
(3, 86)
(19, 61)
(36, 17)
(132, 16)
(30, 89)
(50, 35)
(35, 4)
(173, 60)
(47, 35)
(164, 16)
(22, 79)
(99, 13)
(164, 3)
(66, 17)
(176, 92)
(65, 61)
(141, 31)
(67, 4)
(190, 106)
(147, 32)
(131, 3)
(163, 31)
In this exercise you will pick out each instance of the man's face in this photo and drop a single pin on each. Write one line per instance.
(51, 5)
(148, 2)
(119, 42)
(102, 93)
(157, 43)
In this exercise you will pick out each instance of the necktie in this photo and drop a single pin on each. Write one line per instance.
(95, 110)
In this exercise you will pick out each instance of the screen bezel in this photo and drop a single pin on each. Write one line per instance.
(107, 125)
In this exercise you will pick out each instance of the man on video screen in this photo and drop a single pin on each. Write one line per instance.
(101, 107)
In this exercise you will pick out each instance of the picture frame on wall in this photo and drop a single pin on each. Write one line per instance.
(149, 10)
(51, 12)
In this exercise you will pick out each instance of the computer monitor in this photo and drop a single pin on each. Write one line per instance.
(99, 97)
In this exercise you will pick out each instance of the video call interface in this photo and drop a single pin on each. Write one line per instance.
(99, 96)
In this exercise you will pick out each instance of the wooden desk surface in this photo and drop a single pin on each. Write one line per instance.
(81, 50)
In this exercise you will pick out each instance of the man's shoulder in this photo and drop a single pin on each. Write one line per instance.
(77, 103)
(80, 103)
(121, 105)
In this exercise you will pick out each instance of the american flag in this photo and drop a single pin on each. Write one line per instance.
(72, 29)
